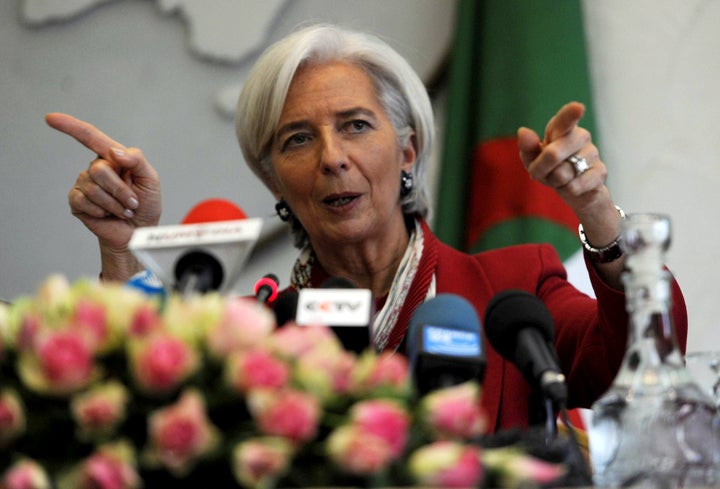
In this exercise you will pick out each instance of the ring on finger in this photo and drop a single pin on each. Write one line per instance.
(580, 164)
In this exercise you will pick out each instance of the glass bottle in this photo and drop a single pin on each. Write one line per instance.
(654, 427)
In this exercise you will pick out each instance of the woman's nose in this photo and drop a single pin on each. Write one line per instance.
(333, 157)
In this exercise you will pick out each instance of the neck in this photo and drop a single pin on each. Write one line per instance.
(369, 264)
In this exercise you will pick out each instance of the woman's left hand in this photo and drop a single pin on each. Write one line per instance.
(585, 192)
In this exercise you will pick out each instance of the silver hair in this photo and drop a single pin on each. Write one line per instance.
(400, 91)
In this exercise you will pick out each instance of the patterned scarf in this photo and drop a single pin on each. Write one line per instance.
(414, 282)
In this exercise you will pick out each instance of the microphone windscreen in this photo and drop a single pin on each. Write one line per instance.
(214, 210)
(285, 307)
(444, 311)
(511, 311)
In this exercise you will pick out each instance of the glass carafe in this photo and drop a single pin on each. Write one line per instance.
(654, 427)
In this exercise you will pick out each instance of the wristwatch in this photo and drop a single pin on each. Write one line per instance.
(607, 253)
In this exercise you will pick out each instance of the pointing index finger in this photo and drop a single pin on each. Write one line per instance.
(85, 133)
(564, 121)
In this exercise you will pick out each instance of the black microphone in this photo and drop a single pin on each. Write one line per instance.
(520, 328)
(285, 307)
(444, 344)
(266, 288)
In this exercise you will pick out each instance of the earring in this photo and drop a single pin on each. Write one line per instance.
(406, 183)
(283, 210)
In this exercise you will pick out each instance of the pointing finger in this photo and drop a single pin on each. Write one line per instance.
(564, 121)
(85, 133)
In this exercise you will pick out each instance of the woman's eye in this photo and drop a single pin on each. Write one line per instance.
(295, 140)
(358, 126)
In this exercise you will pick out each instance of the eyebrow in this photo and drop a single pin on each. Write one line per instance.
(343, 114)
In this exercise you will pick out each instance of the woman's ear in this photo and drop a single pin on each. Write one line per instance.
(409, 151)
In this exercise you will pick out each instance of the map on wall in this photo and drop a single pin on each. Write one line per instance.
(213, 30)
(213, 27)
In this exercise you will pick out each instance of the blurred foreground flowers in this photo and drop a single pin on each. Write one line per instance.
(103, 387)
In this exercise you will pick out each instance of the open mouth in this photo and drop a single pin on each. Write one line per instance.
(339, 200)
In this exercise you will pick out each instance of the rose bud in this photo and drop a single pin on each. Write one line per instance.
(12, 417)
(190, 318)
(99, 411)
(110, 467)
(244, 323)
(61, 363)
(294, 341)
(255, 369)
(289, 413)
(454, 412)
(145, 321)
(160, 363)
(357, 451)
(446, 464)
(386, 373)
(383, 418)
(259, 462)
(25, 474)
(181, 434)
(90, 319)
(328, 375)
(513, 468)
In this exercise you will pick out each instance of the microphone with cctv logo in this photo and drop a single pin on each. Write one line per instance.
(444, 344)
(339, 304)
(204, 253)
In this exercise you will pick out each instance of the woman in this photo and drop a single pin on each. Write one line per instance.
(339, 128)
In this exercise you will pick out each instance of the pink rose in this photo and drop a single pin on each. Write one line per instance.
(99, 411)
(446, 464)
(294, 341)
(327, 374)
(385, 372)
(256, 368)
(258, 462)
(244, 323)
(181, 434)
(385, 419)
(30, 325)
(61, 363)
(513, 468)
(288, 413)
(105, 470)
(145, 321)
(12, 417)
(454, 412)
(357, 451)
(25, 474)
(90, 319)
(161, 362)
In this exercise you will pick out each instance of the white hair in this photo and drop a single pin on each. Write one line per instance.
(400, 91)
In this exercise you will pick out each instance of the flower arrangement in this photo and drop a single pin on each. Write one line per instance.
(104, 387)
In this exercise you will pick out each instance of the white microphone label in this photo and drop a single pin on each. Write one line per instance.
(451, 342)
(334, 307)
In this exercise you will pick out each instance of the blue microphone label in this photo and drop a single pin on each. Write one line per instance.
(451, 342)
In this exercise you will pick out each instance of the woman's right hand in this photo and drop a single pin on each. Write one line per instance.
(117, 193)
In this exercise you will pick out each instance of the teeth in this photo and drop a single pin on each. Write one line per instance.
(340, 202)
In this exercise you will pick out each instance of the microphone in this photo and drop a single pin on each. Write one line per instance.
(204, 253)
(339, 304)
(285, 307)
(520, 328)
(444, 343)
(266, 288)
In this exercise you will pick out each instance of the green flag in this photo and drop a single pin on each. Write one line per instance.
(513, 63)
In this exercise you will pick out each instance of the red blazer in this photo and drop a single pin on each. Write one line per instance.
(591, 335)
